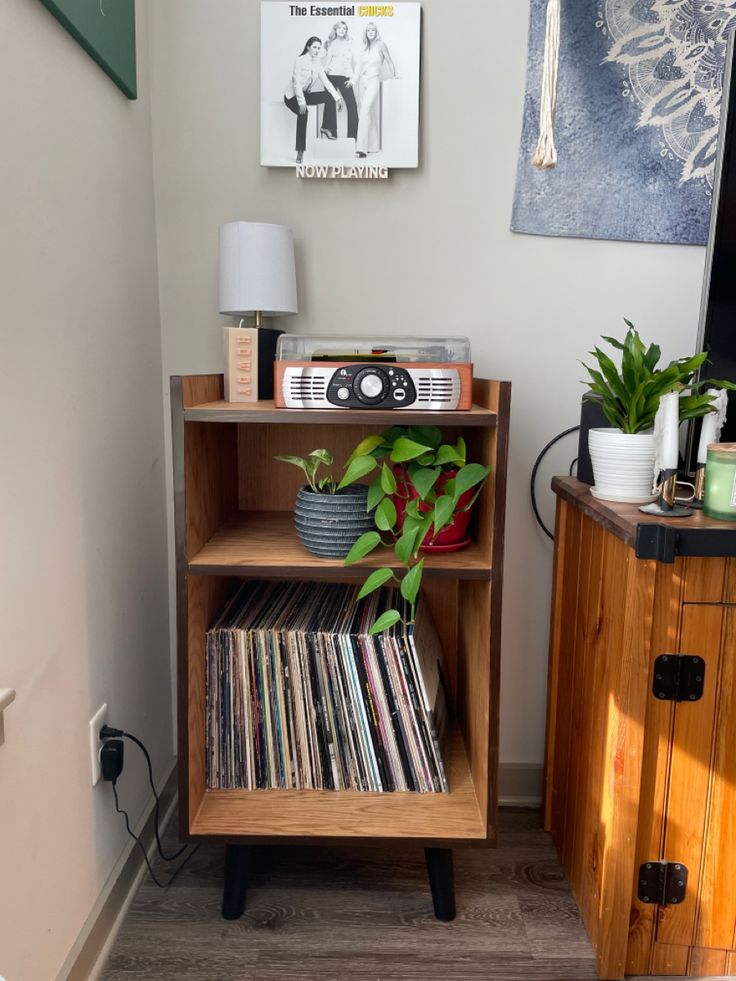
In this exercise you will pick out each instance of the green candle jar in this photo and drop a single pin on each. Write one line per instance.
(720, 482)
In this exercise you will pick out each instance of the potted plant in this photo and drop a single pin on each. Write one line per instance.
(420, 501)
(330, 514)
(623, 455)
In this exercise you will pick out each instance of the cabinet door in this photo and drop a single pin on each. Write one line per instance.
(700, 809)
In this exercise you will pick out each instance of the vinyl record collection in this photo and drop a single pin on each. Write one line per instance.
(300, 695)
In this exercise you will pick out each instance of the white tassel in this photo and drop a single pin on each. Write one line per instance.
(546, 155)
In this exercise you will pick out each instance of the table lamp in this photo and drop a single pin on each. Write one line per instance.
(257, 276)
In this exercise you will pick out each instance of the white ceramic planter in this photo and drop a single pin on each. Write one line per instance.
(623, 465)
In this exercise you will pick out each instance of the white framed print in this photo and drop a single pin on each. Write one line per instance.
(340, 84)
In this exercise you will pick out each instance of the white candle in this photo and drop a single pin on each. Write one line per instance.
(712, 423)
(666, 431)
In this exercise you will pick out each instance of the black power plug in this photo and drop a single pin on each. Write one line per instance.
(111, 759)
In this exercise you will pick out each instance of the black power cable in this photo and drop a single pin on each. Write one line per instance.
(137, 840)
(108, 732)
(535, 468)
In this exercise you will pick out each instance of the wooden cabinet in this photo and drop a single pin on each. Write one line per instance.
(633, 778)
(234, 520)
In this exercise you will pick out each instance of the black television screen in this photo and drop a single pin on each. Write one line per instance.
(718, 311)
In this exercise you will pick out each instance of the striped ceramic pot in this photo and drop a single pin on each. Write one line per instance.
(623, 465)
(329, 524)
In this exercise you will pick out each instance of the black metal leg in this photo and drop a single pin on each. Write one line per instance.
(233, 893)
(441, 881)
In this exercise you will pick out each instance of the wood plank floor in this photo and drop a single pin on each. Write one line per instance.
(338, 915)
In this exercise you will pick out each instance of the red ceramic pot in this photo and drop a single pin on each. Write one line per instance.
(454, 535)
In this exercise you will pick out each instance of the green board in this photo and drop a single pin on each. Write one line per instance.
(106, 31)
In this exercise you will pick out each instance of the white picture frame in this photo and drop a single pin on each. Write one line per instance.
(353, 97)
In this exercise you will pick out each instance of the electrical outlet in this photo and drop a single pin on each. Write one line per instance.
(98, 720)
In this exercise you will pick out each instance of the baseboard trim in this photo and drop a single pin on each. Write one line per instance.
(89, 953)
(520, 784)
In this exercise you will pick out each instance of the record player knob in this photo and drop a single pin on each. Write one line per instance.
(371, 385)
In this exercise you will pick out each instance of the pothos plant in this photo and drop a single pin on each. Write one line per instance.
(327, 484)
(441, 479)
(629, 395)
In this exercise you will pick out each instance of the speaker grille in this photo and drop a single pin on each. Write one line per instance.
(435, 388)
(305, 388)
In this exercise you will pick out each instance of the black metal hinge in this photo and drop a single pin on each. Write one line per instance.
(662, 883)
(679, 677)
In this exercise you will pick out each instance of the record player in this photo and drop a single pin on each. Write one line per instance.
(322, 371)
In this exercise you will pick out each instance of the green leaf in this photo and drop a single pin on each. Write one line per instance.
(688, 366)
(423, 530)
(719, 383)
(468, 477)
(375, 494)
(365, 447)
(391, 434)
(404, 547)
(374, 581)
(429, 435)
(412, 508)
(424, 480)
(406, 449)
(385, 514)
(359, 467)
(324, 456)
(695, 406)
(412, 581)
(426, 460)
(461, 449)
(443, 511)
(613, 342)
(388, 481)
(386, 620)
(297, 461)
(610, 373)
(447, 454)
(652, 356)
(365, 544)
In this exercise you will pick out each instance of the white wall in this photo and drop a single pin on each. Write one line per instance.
(83, 581)
(427, 252)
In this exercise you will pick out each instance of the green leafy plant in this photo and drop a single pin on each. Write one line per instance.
(328, 484)
(629, 395)
(441, 477)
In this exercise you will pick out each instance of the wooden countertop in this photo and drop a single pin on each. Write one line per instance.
(652, 537)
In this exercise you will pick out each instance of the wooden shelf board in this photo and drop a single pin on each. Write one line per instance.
(265, 543)
(266, 411)
(321, 814)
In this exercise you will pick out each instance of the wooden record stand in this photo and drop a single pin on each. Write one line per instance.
(234, 520)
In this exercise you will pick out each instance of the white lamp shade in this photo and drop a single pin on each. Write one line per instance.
(257, 269)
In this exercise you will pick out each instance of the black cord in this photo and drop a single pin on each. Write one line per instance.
(108, 731)
(161, 885)
(572, 467)
(532, 488)
(164, 856)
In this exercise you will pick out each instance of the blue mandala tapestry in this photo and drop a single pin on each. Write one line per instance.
(638, 107)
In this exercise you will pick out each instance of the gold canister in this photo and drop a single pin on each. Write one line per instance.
(720, 482)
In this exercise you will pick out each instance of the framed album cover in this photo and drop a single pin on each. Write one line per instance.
(340, 84)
